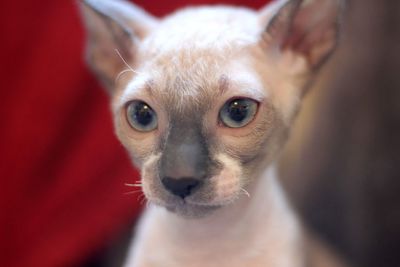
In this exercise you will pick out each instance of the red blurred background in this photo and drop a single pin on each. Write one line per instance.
(62, 192)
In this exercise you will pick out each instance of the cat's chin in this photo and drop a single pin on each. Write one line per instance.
(190, 210)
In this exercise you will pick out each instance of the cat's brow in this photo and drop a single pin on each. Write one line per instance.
(137, 87)
(149, 87)
(223, 84)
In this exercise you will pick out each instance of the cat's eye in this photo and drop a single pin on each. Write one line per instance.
(141, 116)
(238, 112)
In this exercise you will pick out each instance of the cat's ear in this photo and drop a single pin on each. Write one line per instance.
(307, 28)
(114, 29)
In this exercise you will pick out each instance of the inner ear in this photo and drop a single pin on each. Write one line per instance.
(308, 28)
(114, 30)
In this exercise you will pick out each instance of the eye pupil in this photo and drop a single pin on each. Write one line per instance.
(143, 114)
(238, 112)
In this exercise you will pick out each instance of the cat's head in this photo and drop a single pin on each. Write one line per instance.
(203, 99)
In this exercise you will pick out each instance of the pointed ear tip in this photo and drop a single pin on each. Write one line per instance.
(88, 6)
(83, 6)
(83, 3)
(89, 3)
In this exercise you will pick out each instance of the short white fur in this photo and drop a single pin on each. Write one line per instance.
(204, 56)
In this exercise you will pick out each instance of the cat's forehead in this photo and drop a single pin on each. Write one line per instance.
(216, 27)
(194, 53)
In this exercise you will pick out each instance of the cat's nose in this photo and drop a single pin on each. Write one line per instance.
(181, 187)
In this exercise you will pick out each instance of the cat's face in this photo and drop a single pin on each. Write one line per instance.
(212, 119)
(206, 100)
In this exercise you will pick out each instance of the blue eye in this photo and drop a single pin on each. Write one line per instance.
(238, 112)
(141, 116)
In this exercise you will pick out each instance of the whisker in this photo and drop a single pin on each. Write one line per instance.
(130, 69)
(148, 203)
(142, 199)
(245, 192)
(138, 184)
(122, 72)
(139, 197)
(126, 63)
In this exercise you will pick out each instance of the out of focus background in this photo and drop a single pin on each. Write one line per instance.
(62, 171)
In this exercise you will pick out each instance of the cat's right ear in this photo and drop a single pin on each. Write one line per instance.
(114, 29)
(307, 28)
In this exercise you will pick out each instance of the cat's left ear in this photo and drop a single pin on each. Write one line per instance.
(308, 28)
(115, 30)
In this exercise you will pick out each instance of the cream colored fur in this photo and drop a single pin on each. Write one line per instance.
(198, 59)
(257, 230)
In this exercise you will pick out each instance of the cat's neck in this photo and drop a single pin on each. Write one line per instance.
(260, 226)
(259, 208)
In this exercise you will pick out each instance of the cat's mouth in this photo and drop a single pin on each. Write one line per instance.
(193, 206)
(191, 210)
(193, 197)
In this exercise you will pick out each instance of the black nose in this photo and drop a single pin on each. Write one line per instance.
(181, 187)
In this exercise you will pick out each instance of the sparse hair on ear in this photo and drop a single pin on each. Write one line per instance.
(114, 30)
(309, 28)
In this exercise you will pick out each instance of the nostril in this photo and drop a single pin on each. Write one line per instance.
(181, 187)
